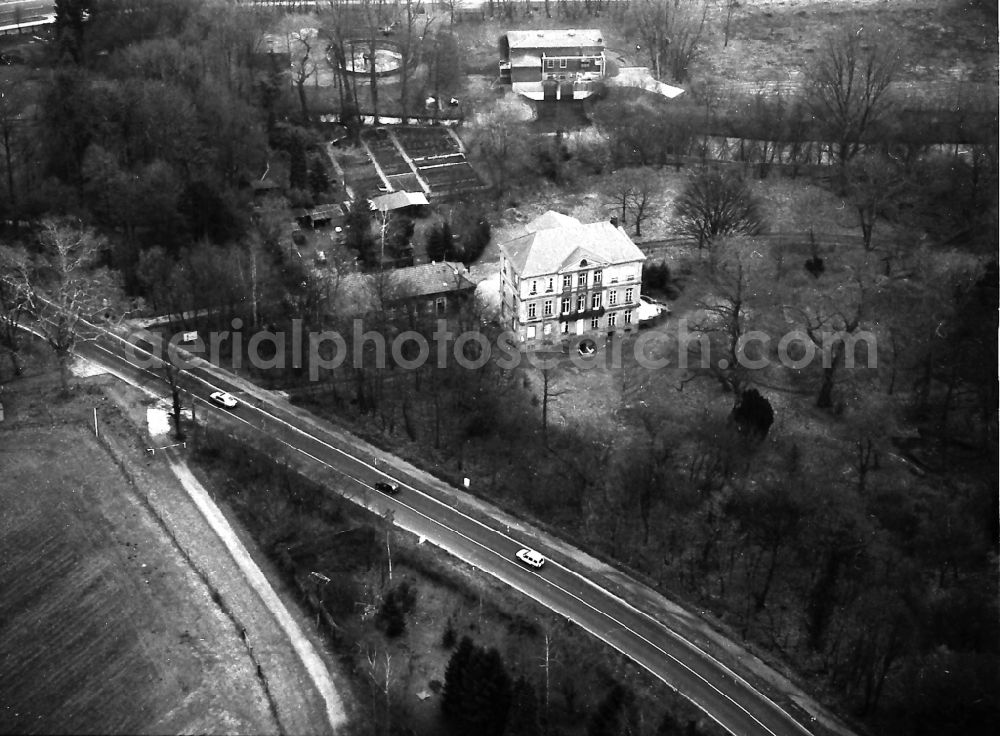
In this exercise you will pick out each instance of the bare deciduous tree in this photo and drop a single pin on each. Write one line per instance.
(730, 7)
(375, 16)
(735, 288)
(672, 32)
(873, 184)
(10, 111)
(632, 191)
(13, 301)
(498, 137)
(410, 45)
(336, 28)
(849, 85)
(302, 42)
(715, 204)
(63, 286)
(832, 317)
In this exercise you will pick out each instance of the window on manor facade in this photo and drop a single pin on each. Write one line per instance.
(568, 281)
(612, 298)
(595, 301)
(612, 319)
(598, 276)
(595, 322)
(550, 284)
(531, 311)
(581, 302)
(547, 309)
(628, 316)
(565, 306)
(628, 296)
(581, 279)
(534, 287)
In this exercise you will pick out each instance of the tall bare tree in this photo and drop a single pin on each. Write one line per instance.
(874, 184)
(302, 44)
(410, 45)
(736, 291)
(632, 192)
(64, 286)
(336, 23)
(672, 32)
(375, 15)
(729, 7)
(848, 86)
(498, 138)
(832, 317)
(14, 264)
(10, 111)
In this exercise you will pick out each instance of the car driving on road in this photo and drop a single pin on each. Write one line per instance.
(223, 399)
(390, 489)
(530, 557)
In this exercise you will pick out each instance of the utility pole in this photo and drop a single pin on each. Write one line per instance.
(388, 517)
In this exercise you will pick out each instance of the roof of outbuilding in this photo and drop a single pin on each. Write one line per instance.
(553, 248)
(562, 38)
(398, 200)
(430, 278)
(359, 293)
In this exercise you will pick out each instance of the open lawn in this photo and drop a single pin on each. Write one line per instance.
(103, 626)
(944, 41)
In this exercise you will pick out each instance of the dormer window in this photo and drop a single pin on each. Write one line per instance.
(534, 287)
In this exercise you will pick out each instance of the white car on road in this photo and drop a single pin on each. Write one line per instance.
(530, 557)
(223, 399)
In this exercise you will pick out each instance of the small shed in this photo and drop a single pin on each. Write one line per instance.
(323, 215)
(399, 201)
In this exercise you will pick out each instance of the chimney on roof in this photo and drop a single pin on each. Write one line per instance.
(614, 221)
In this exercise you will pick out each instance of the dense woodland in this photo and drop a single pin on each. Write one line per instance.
(863, 554)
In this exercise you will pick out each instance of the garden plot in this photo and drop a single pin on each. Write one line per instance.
(451, 179)
(385, 153)
(427, 142)
(420, 158)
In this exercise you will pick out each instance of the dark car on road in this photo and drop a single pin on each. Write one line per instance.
(390, 489)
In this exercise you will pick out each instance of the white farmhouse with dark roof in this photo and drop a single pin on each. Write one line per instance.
(565, 278)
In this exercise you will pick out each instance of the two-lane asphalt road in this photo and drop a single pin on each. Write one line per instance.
(427, 507)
